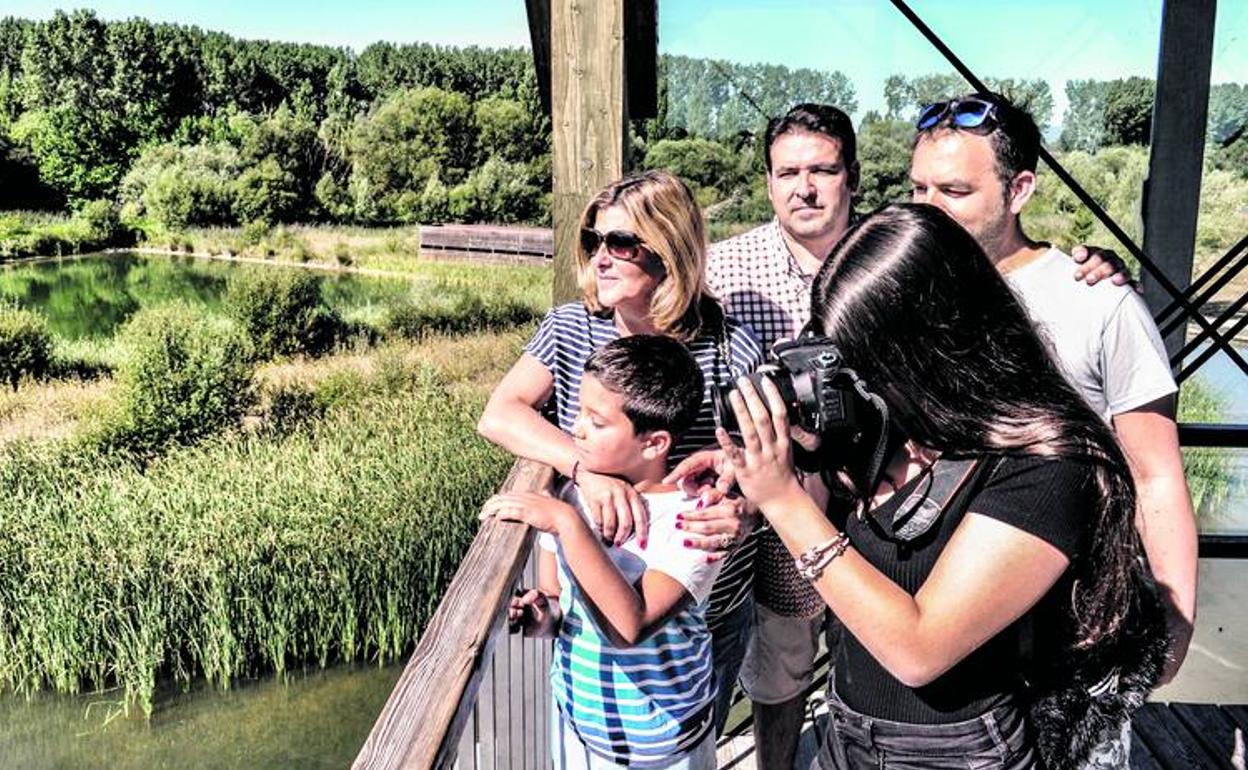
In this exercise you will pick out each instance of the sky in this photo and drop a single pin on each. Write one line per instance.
(868, 40)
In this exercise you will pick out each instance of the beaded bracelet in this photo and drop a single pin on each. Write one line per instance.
(815, 560)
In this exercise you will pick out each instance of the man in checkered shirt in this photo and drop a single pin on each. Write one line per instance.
(763, 277)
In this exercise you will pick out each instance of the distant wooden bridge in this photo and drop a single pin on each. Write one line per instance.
(488, 242)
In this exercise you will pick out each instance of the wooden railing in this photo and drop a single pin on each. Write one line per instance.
(461, 695)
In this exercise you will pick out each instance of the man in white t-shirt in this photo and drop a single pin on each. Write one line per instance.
(975, 157)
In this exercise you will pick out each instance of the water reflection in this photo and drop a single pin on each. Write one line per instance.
(91, 296)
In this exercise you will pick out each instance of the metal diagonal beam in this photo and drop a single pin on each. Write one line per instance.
(1208, 352)
(1199, 284)
(1083, 196)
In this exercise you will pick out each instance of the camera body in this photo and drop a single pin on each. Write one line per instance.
(818, 391)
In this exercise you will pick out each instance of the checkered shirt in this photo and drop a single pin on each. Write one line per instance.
(760, 283)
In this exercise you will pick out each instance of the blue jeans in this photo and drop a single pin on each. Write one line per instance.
(998, 739)
(728, 643)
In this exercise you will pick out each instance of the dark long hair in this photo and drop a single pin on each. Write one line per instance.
(918, 310)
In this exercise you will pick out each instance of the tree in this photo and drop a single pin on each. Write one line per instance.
(1228, 111)
(410, 136)
(701, 162)
(905, 97)
(1128, 111)
(503, 130)
(1083, 127)
(884, 158)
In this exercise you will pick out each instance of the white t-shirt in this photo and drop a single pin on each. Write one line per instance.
(664, 550)
(1102, 336)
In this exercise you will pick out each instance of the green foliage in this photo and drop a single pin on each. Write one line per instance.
(266, 192)
(1128, 116)
(905, 96)
(1208, 470)
(457, 311)
(701, 162)
(502, 127)
(282, 312)
(183, 378)
(884, 160)
(182, 186)
(247, 554)
(25, 344)
(411, 136)
(720, 99)
(498, 192)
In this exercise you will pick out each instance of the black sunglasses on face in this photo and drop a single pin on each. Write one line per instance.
(967, 113)
(621, 244)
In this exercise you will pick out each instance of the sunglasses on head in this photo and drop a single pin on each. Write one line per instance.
(621, 244)
(971, 113)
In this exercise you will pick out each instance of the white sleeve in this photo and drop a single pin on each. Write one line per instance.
(666, 553)
(1135, 367)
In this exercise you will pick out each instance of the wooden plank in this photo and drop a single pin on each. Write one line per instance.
(486, 721)
(538, 12)
(420, 724)
(1211, 726)
(502, 705)
(515, 646)
(1238, 714)
(1176, 149)
(1171, 743)
(466, 752)
(1141, 756)
(588, 117)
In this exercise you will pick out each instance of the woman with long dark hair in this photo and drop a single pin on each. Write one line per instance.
(975, 627)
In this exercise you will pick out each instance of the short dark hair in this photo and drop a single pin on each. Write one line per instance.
(816, 119)
(1014, 135)
(658, 378)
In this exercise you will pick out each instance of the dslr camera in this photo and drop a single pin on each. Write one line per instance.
(820, 394)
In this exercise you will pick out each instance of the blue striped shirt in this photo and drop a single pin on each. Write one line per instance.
(645, 705)
(563, 342)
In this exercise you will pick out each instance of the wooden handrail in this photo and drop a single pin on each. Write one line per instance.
(421, 722)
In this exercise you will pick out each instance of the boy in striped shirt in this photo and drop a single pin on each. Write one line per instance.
(631, 674)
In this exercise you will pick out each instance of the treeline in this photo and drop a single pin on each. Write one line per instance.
(194, 127)
(182, 127)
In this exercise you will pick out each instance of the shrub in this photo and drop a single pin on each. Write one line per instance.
(183, 379)
(282, 312)
(25, 344)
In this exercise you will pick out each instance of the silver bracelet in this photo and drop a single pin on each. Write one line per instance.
(814, 560)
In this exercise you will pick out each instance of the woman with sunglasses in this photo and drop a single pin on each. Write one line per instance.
(977, 607)
(641, 268)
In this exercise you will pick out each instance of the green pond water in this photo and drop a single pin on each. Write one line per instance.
(313, 720)
(90, 296)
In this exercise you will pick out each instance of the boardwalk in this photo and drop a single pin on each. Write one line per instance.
(1178, 736)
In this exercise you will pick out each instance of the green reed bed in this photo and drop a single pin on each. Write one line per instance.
(246, 554)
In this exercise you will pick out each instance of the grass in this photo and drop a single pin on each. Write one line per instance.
(257, 550)
(46, 234)
(322, 528)
(388, 249)
(1208, 469)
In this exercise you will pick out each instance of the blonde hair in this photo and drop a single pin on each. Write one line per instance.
(669, 221)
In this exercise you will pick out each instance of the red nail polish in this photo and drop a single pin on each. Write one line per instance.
(680, 517)
(643, 545)
(680, 524)
(688, 543)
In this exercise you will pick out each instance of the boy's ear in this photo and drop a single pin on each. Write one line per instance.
(656, 443)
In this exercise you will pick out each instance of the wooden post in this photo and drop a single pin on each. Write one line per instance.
(588, 118)
(1172, 190)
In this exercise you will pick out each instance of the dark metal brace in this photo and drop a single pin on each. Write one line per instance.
(1087, 200)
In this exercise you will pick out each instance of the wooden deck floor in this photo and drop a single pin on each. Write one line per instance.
(1166, 736)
